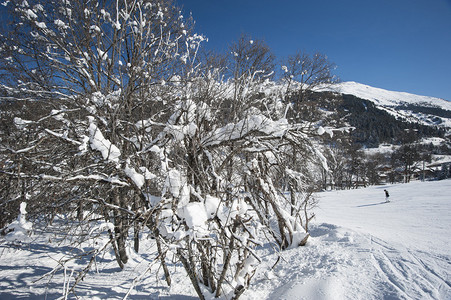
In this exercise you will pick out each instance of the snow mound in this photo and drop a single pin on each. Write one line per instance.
(19, 230)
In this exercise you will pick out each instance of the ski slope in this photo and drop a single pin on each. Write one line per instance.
(360, 248)
(364, 248)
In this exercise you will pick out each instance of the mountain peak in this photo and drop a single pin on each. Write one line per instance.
(384, 97)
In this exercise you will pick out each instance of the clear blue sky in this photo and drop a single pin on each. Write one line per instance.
(400, 45)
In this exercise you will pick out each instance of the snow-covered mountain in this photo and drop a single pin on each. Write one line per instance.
(410, 107)
(388, 98)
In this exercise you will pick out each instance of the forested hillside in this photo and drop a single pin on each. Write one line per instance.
(374, 126)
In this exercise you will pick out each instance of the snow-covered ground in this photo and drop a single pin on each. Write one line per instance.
(364, 248)
(360, 248)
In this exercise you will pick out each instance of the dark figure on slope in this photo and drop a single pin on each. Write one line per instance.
(387, 195)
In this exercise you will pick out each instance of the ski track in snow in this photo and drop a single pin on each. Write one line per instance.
(360, 248)
(404, 270)
(408, 237)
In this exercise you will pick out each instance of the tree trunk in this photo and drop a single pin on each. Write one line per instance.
(120, 230)
(136, 227)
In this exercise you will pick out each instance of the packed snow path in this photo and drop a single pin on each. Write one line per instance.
(360, 248)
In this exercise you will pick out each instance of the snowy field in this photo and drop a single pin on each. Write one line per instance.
(360, 248)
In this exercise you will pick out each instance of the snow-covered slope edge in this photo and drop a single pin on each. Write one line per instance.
(387, 98)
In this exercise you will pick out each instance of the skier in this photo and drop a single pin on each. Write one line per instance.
(387, 195)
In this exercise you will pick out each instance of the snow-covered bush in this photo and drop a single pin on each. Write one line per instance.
(139, 131)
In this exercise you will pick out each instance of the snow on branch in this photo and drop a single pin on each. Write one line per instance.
(62, 136)
(255, 123)
(113, 180)
(109, 151)
(94, 177)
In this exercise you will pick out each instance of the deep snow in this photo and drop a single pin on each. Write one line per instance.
(360, 248)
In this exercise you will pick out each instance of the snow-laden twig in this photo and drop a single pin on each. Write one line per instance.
(62, 136)
(66, 283)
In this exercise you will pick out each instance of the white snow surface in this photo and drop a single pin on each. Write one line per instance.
(384, 97)
(360, 248)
